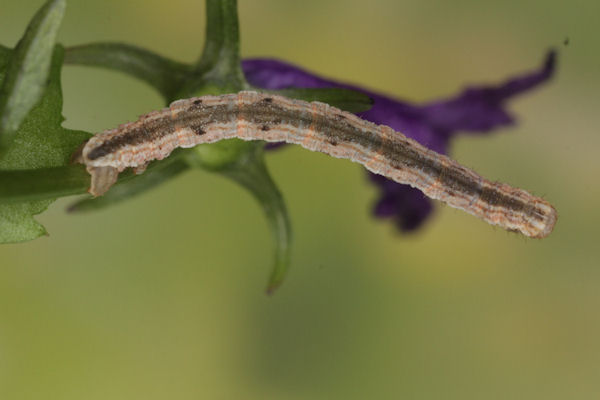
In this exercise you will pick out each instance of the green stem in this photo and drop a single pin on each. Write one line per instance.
(49, 183)
(219, 69)
(44, 183)
(230, 60)
(214, 37)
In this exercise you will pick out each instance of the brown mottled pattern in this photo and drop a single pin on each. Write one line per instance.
(318, 127)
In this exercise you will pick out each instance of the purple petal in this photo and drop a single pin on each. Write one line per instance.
(480, 109)
(406, 205)
(477, 109)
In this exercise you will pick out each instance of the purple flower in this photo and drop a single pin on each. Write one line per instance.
(475, 110)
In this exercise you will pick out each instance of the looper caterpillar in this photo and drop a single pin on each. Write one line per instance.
(318, 127)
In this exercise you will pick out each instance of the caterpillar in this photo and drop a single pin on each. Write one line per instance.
(319, 127)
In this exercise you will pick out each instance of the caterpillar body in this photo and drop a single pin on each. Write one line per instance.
(318, 127)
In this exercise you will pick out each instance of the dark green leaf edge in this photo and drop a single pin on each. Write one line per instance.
(165, 75)
(28, 70)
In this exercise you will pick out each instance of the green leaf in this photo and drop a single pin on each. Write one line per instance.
(5, 55)
(165, 75)
(28, 70)
(39, 143)
(16, 223)
(344, 99)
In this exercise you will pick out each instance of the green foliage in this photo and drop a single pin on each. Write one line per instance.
(28, 69)
(35, 168)
(39, 142)
(31, 136)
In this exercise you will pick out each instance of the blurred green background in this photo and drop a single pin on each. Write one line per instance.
(162, 297)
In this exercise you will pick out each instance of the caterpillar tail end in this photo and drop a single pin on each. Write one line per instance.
(102, 179)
